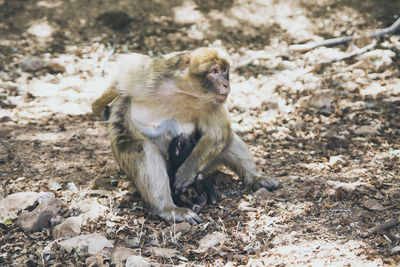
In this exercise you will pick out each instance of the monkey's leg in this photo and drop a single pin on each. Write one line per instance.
(147, 168)
(237, 157)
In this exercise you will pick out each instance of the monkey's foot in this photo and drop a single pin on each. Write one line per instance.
(178, 214)
(264, 181)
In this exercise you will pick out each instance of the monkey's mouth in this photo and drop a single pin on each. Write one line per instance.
(221, 97)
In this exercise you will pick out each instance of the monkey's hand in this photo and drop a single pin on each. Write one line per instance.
(264, 181)
(178, 214)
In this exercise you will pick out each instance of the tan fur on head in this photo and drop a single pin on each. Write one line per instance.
(202, 58)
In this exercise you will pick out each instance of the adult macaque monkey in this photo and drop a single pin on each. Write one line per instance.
(190, 87)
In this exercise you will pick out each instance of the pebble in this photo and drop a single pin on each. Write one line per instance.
(90, 243)
(54, 67)
(54, 186)
(70, 227)
(137, 261)
(40, 217)
(372, 204)
(71, 186)
(132, 242)
(45, 195)
(91, 209)
(121, 254)
(336, 161)
(31, 64)
(183, 227)
(12, 204)
(262, 193)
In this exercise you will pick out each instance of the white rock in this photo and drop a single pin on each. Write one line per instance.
(54, 186)
(319, 99)
(12, 204)
(91, 209)
(381, 59)
(164, 252)
(70, 227)
(45, 195)
(366, 130)
(137, 261)
(120, 254)
(336, 160)
(211, 240)
(31, 64)
(72, 187)
(91, 243)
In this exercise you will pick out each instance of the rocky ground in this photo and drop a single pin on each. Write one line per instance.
(325, 123)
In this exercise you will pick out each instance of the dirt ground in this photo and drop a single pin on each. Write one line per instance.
(330, 133)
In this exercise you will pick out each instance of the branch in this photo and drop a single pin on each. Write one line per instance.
(352, 54)
(388, 224)
(344, 39)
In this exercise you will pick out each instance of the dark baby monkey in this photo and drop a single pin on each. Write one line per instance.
(202, 191)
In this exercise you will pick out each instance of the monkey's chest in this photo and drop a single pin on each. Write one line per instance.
(153, 117)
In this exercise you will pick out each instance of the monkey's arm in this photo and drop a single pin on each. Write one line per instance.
(100, 104)
(215, 130)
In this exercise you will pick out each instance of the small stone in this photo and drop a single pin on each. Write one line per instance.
(45, 195)
(262, 193)
(54, 67)
(90, 243)
(183, 227)
(70, 227)
(366, 130)
(373, 205)
(31, 64)
(91, 209)
(164, 252)
(132, 242)
(336, 161)
(72, 187)
(137, 261)
(211, 240)
(12, 204)
(40, 217)
(34, 221)
(120, 254)
(5, 119)
(54, 186)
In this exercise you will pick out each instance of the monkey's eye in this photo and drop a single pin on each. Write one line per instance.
(215, 70)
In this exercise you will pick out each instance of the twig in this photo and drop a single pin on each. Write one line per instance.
(388, 224)
(355, 53)
(344, 39)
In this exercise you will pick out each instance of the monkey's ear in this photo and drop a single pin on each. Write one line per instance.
(185, 61)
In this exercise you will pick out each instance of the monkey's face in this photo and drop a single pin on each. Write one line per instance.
(217, 78)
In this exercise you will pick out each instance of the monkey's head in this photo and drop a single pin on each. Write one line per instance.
(179, 149)
(209, 67)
